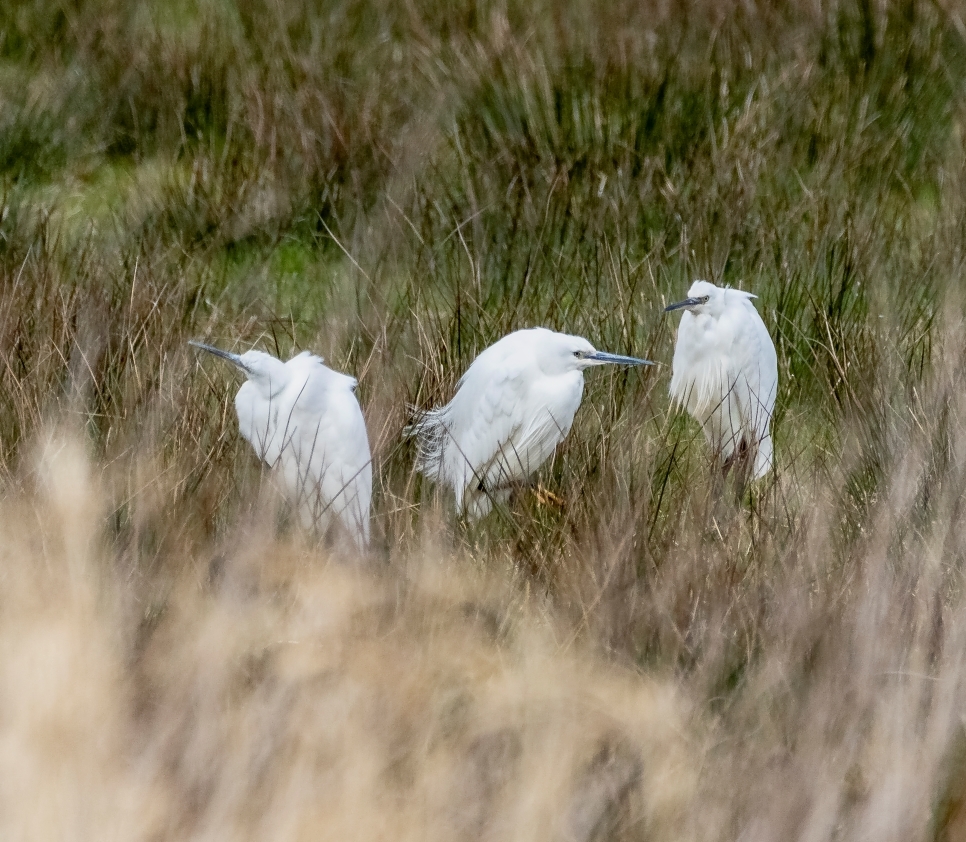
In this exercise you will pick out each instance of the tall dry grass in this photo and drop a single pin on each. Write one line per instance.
(396, 186)
(301, 697)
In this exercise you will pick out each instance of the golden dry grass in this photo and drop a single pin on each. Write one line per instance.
(629, 653)
(296, 697)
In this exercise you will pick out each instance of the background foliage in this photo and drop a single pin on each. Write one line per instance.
(395, 186)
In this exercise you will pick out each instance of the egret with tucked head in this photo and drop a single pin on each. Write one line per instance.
(303, 419)
(513, 406)
(726, 374)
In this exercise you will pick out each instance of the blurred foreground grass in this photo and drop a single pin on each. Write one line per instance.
(395, 186)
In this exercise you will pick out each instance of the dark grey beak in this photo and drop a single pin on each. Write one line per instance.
(234, 359)
(617, 359)
(688, 302)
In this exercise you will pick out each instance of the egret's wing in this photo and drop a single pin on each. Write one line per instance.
(529, 446)
(503, 431)
(755, 371)
(326, 460)
(258, 422)
(554, 403)
(462, 443)
(763, 405)
(483, 426)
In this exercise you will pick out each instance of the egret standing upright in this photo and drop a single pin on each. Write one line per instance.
(726, 373)
(513, 406)
(303, 419)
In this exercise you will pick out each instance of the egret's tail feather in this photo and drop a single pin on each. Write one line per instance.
(429, 429)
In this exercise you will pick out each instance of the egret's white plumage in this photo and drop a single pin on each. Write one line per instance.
(726, 372)
(303, 420)
(513, 406)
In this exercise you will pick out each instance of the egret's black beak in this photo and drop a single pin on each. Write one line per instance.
(688, 302)
(617, 359)
(234, 359)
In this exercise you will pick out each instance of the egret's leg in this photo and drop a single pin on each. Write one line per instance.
(741, 466)
(738, 457)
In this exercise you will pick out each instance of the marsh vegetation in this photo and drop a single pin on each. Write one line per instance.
(395, 186)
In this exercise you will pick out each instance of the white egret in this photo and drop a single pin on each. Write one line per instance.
(303, 419)
(725, 373)
(513, 406)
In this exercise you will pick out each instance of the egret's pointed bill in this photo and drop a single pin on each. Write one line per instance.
(688, 302)
(225, 355)
(617, 359)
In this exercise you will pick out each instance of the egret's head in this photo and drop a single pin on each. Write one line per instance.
(562, 352)
(264, 370)
(705, 298)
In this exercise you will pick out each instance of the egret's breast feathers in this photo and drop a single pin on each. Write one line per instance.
(701, 388)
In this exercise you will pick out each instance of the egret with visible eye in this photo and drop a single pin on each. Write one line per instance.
(725, 373)
(513, 406)
(303, 420)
